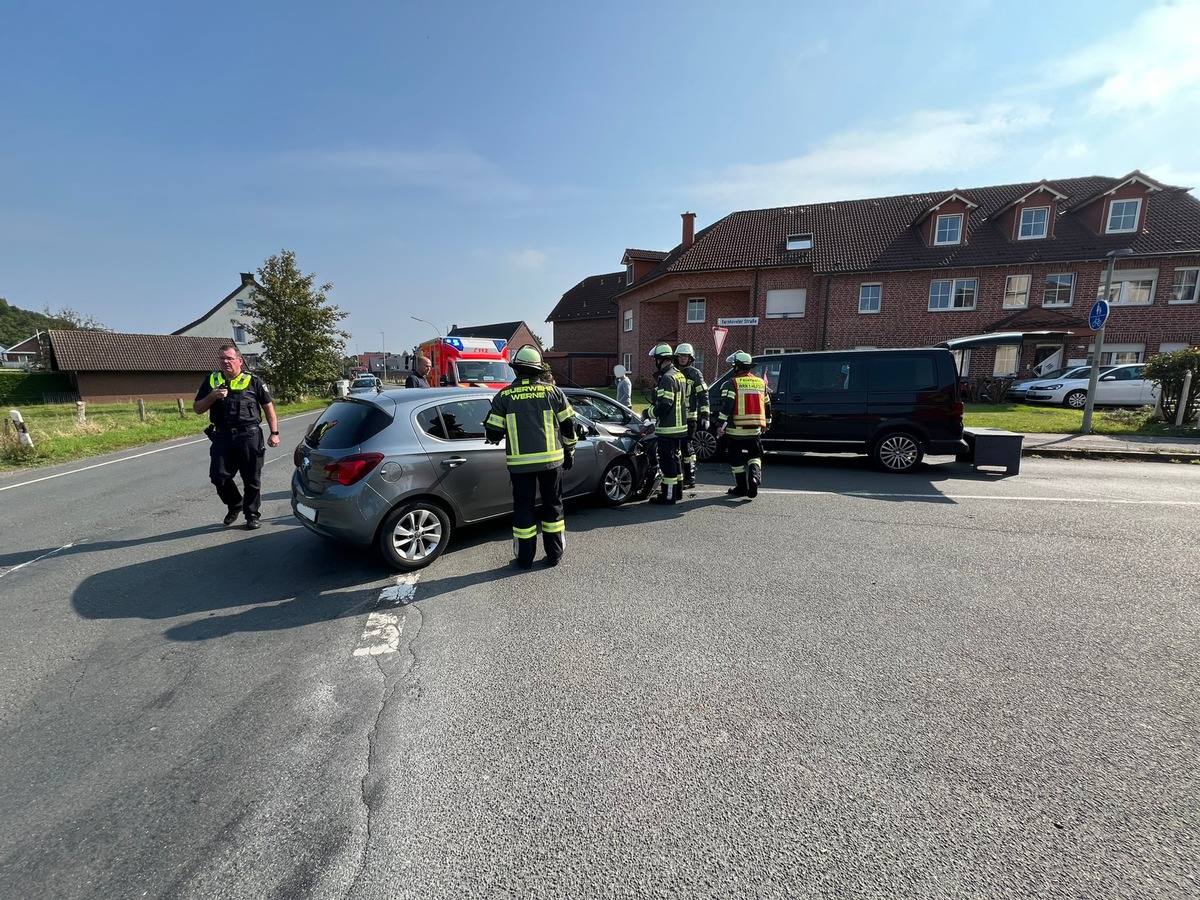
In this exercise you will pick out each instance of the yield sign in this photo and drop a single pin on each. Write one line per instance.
(719, 337)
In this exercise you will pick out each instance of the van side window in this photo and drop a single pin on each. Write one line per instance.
(823, 374)
(903, 373)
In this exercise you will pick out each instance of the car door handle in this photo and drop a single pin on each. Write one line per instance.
(453, 462)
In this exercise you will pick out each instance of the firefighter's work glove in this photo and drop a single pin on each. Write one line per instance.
(703, 423)
(568, 459)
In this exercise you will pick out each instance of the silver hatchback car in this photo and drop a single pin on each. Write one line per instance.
(402, 469)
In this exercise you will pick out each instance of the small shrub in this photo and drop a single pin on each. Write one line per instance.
(1136, 418)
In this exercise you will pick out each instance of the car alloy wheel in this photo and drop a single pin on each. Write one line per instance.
(414, 535)
(1075, 400)
(897, 451)
(705, 443)
(617, 485)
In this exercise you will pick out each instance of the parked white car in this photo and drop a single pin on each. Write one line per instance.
(1018, 389)
(1118, 386)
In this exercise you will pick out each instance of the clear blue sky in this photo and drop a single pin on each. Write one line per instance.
(470, 162)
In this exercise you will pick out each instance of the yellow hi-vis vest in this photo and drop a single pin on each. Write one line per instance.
(750, 404)
(239, 383)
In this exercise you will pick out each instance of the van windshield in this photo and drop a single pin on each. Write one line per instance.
(482, 371)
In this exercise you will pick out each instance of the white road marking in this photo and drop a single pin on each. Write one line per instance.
(5, 571)
(382, 631)
(948, 496)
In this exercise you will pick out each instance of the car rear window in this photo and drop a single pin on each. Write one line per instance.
(346, 423)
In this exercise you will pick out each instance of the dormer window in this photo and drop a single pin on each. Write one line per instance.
(1123, 216)
(629, 274)
(949, 229)
(799, 242)
(1034, 223)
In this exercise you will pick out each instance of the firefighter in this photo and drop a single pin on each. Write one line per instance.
(670, 421)
(538, 423)
(697, 406)
(745, 415)
(236, 402)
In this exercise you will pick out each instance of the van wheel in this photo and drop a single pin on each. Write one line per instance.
(705, 442)
(1075, 400)
(414, 535)
(897, 451)
(616, 487)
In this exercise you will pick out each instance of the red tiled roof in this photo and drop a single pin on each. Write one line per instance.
(106, 351)
(877, 235)
(592, 298)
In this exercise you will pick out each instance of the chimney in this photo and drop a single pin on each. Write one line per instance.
(689, 228)
(247, 278)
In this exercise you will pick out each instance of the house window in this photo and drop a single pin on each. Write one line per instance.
(629, 274)
(1131, 287)
(628, 320)
(1184, 289)
(1119, 354)
(1033, 223)
(239, 334)
(1059, 290)
(953, 293)
(1123, 216)
(241, 304)
(949, 229)
(799, 241)
(627, 362)
(1006, 360)
(786, 304)
(1016, 292)
(869, 297)
(695, 310)
(962, 361)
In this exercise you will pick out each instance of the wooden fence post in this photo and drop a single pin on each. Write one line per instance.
(142, 411)
(179, 403)
(81, 412)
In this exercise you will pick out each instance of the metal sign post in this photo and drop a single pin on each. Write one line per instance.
(1096, 320)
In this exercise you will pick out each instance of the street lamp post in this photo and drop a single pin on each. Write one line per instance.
(1094, 374)
(430, 324)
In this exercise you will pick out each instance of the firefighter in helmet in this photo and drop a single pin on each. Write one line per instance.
(670, 421)
(697, 405)
(745, 415)
(538, 424)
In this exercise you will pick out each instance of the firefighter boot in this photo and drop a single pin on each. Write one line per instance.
(739, 489)
(689, 474)
(753, 478)
(666, 495)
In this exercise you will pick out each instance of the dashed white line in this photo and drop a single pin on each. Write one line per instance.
(382, 632)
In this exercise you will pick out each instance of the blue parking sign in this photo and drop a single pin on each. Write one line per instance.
(1098, 316)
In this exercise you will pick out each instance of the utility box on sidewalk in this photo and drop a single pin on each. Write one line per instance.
(993, 447)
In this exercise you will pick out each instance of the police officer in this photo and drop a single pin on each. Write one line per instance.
(745, 415)
(537, 421)
(697, 415)
(235, 402)
(670, 421)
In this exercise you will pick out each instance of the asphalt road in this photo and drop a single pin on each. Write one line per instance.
(949, 684)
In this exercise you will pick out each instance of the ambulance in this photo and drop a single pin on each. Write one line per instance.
(468, 362)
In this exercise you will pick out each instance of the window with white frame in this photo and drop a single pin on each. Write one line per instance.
(786, 303)
(870, 298)
(1171, 347)
(1059, 290)
(1130, 287)
(629, 274)
(799, 241)
(627, 320)
(627, 362)
(695, 310)
(1006, 360)
(241, 304)
(1016, 292)
(962, 361)
(1123, 216)
(1034, 223)
(949, 229)
(1119, 354)
(239, 334)
(1184, 288)
(953, 293)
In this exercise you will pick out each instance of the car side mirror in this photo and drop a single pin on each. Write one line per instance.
(444, 381)
(1108, 377)
(580, 430)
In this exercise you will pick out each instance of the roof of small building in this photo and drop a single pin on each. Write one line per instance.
(107, 351)
(503, 330)
(592, 298)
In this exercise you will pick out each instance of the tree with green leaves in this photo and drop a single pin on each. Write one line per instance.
(297, 326)
(1169, 369)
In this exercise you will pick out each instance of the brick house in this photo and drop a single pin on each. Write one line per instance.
(106, 367)
(22, 354)
(585, 331)
(918, 269)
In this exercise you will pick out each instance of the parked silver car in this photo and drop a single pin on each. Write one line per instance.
(365, 384)
(1121, 385)
(402, 469)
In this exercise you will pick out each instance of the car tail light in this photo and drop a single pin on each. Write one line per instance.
(353, 469)
(298, 455)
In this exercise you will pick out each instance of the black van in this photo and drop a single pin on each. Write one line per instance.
(895, 405)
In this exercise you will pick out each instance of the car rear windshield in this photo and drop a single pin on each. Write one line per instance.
(346, 424)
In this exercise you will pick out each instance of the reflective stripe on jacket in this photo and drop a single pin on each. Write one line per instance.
(697, 401)
(670, 403)
(745, 406)
(536, 421)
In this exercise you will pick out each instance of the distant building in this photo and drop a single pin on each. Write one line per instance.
(220, 321)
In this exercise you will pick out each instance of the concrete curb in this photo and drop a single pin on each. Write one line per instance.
(1165, 456)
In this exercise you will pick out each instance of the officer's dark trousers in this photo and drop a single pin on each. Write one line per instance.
(526, 517)
(669, 453)
(238, 453)
(745, 459)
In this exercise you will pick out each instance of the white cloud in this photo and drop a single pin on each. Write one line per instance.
(528, 259)
(873, 159)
